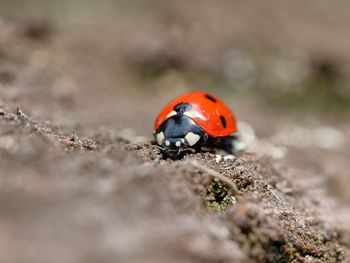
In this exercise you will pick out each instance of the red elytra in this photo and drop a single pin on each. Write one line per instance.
(208, 111)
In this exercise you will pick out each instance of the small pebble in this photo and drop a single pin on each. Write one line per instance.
(247, 138)
(229, 157)
(218, 158)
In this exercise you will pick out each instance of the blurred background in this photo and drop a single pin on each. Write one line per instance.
(103, 59)
(282, 66)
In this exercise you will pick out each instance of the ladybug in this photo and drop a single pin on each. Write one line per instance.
(195, 121)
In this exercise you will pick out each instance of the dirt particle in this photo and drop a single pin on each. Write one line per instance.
(38, 30)
(6, 77)
(218, 197)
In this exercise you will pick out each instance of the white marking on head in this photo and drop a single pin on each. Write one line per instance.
(172, 113)
(178, 144)
(160, 137)
(167, 143)
(192, 138)
(193, 115)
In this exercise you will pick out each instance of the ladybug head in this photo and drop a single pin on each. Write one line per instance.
(179, 134)
(176, 147)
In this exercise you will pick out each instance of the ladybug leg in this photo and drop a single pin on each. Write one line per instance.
(229, 144)
(213, 144)
(233, 144)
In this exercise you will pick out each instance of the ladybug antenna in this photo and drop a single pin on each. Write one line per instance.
(157, 146)
(188, 150)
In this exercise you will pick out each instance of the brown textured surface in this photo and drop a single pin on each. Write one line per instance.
(66, 199)
(81, 188)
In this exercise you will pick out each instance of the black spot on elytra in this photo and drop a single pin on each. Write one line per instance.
(210, 98)
(223, 121)
(182, 107)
